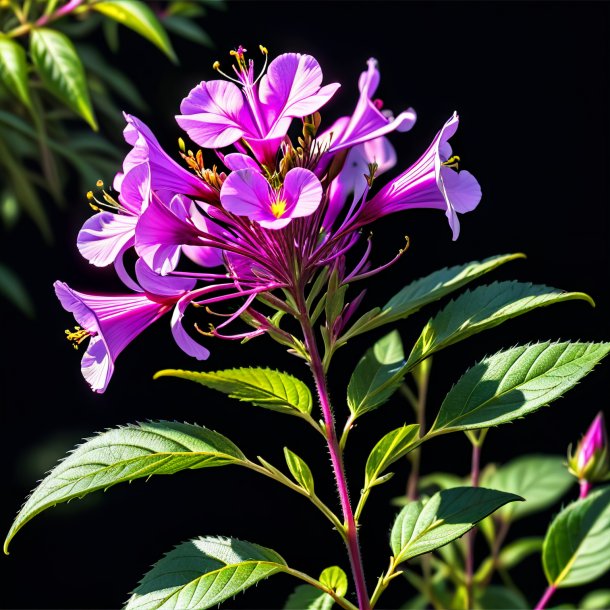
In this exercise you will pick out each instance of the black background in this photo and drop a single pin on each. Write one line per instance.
(530, 81)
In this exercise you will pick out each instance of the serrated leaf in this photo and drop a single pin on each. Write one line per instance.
(308, 597)
(61, 71)
(300, 470)
(420, 528)
(203, 572)
(12, 288)
(596, 600)
(575, 548)
(262, 387)
(496, 597)
(125, 454)
(391, 447)
(541, 479)
(14, 69)
(377, 376)
(483, 308)
(432, 288)
(140, 18)
(187, 29)
(334, 578)
(514, 383)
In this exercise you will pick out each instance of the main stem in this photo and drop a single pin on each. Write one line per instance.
(351, 532)
(470, 536)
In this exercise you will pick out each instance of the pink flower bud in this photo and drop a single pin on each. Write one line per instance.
(590, 460)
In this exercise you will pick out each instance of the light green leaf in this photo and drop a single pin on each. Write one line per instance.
(515, 552)
(575, 549)
(541, 479)
(12, 288)
(188, 30)
(514, 383)
(203, 572)
(308, 597)
(262, 387)
(596, 600)
(14, 69)
(61, 70)
(496, 597)
(377, 376)
(140, 18)
(429, 289)
(391, 447)
(447, 515)
(334, 578)
(125, 454)
(481, 309)
(300, 470)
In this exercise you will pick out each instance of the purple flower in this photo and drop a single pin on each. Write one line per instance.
(218, 113)
(432, 182)
(113, 321)
(590, 462)
(246, 193)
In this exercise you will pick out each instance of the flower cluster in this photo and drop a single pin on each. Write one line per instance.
(280, 215)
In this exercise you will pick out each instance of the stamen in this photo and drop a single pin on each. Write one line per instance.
(77, 336)
(452, 162)
(278, 208)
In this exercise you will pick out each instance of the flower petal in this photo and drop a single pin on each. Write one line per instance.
(303, 192)
(246, 193)
(104, 236)
(186, 343)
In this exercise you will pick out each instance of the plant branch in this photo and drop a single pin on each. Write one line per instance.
(341, 601)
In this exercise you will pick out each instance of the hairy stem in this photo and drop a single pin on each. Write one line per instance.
(351, 532)
(544, 600)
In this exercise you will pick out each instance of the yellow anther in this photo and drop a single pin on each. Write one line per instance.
(452, 162)
(99, 183)
(278, 208)
(77, 336)
(181, 144)
(90, 195)
(263, 49)
(216, 65)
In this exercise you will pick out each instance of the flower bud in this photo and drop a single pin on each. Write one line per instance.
(590, 460)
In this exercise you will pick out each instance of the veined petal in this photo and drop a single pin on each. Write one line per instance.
(104, 236)
(135, 188)
(235, 161)
(247, 193)
(162, 287)
(302, 191)
(291, 88)
(214, 114)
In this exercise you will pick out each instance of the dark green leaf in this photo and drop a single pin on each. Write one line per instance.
(495, 597)
(481, 309)
(391, 447)
(262, 387)
(377, 376)
(447, 515)
(515, 382)
(14, 69)
(203, 572)
(13, 289)
(140, 18)
(188, 30)
(541, 479)
(575, 549)
(125, 454)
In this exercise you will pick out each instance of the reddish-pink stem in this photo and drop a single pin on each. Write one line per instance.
(66, 9)
(585, 488)
(351, 533)
(544, 600)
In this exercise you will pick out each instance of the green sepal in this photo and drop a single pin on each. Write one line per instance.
(483, 308)
(61, 71)
(420, 528)
(299, 470)
(575, 548)
(203, 572)
(515, 382)
(262, 387)
(125, 454)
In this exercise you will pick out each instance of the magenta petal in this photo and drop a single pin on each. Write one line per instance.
(235, 161)
(302, 191)
(214, 114)
(135, 188)
(104, 236)
(160, 285)
(246, 193)
(182, 338)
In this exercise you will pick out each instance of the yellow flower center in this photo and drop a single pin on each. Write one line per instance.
(278, 208)
(77, 336)
(452, 162)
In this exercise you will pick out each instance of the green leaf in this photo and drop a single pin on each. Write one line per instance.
(125, 454)
(595, 600)
(13, 289)
(308, 597)
(515, 382)
(429, 289)
(14, 69)
(334, 578)
(420, 528)
(481, 309)
(262, 387)
(377, 376)
(140, 18)
(203, 572)
(391, 447)
(575, 549)
(541, 479)
(515, 552)
(188, 30)
(61, 71)
(495, 597)
(300, 470)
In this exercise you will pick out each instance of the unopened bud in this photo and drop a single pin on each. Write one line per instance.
(590, 460)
